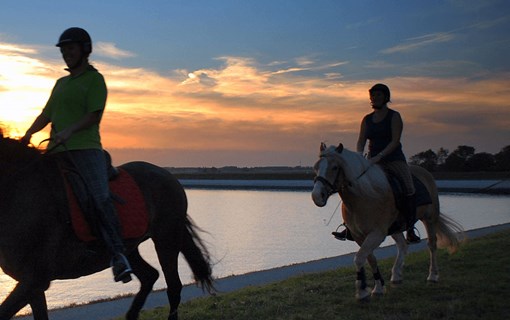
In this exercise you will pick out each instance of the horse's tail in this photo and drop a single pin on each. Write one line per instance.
(449, 233)
(196, 254)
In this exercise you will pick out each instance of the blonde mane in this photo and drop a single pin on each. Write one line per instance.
(367, 181)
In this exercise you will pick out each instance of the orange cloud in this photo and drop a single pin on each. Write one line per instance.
(245, 106)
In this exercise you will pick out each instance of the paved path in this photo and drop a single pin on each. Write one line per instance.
(116, 308)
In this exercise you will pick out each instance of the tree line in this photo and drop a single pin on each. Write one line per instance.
(462, 159)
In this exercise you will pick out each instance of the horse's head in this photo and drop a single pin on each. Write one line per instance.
(329, 174)
(340, 169)
(14, 154)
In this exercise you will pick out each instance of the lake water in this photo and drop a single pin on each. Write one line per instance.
(251, 230)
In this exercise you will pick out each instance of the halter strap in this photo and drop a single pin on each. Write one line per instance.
(325, 182)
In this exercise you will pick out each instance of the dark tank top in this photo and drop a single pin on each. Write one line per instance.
(379, 136)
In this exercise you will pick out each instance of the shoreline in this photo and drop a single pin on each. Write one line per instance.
(105, 310)
(444, 186)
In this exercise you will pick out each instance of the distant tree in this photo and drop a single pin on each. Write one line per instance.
(426, 159)
(464, 152)
(502, 159)
(457, 160)
(442, 154)
(481, 162)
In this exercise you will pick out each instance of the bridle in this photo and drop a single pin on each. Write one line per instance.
(332, 187)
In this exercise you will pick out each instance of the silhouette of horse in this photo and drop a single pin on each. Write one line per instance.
(369, 210)
(38, 245)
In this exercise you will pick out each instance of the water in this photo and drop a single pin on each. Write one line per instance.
(257, 230)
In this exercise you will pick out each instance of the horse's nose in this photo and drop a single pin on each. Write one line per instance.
(319, 196)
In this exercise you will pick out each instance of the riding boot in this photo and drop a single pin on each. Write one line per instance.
(410, 208)
(110, 229)
(343, 235)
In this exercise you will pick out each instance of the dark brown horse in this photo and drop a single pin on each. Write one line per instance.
(37, 244)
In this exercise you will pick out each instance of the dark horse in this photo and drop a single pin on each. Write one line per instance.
(37, 244)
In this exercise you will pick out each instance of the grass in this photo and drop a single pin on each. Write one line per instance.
(474, 284)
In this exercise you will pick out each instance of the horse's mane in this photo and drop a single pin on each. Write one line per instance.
(366, 180)
(13, 152)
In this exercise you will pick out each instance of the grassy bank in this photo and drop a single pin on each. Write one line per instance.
(473, 285)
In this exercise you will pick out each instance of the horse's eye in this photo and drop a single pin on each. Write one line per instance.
(334, 168)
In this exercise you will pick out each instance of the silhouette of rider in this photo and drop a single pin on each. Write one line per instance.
(75, 109)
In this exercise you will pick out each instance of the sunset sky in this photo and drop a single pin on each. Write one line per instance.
(262, 83)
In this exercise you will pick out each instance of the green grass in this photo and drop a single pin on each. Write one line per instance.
(474, 284)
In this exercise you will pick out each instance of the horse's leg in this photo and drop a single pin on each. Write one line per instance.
(16, 300)
(378, 279)
(432, 244)
(39, 306)
(398, 265)
(147, 276)
(168, 259)
(372, 241)
(25, 292)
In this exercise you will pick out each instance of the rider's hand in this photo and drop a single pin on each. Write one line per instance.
(25, 140)
(62, 136)
(375, 159)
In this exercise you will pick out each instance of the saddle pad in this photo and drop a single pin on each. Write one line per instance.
(421, 193)
(132, 213)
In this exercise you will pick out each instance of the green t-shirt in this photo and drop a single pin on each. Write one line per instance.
(71, 99)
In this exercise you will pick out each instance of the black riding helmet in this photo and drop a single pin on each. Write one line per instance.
(78, 35)
(382, 88)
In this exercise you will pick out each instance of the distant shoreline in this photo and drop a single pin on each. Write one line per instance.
(304, 173)
(301, 179)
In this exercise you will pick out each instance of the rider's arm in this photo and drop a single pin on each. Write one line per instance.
(39, 123)
(86, 121)
(362, 139)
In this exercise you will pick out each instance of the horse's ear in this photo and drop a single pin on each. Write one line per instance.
(323, 146)
(340, 148)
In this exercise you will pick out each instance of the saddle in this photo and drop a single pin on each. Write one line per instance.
(422, 197)
(127, 198)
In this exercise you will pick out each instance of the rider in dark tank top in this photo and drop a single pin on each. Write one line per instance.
(383, 129)
(379, 136)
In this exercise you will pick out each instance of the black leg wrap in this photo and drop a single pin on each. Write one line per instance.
(361, 276)
(378, 276)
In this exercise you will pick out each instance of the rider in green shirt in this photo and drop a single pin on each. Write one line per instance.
(75, 109)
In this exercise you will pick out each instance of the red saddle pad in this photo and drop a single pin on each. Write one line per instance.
(133, 215)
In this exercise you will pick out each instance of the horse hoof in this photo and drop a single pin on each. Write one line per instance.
(378, 293)
(173, 316)
(363, 296)
(433, 279)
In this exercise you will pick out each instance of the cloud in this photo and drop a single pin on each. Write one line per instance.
(110, 50)
(247, 106)
(419, 42)
(16, 49)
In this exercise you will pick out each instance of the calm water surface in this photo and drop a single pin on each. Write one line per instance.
(256, 230)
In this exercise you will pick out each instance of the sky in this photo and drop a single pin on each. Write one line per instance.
(261, 83)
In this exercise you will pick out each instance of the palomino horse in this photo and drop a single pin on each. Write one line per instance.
(37, 244)
(368, 210)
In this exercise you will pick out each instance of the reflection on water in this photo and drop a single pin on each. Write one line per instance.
(257, 230)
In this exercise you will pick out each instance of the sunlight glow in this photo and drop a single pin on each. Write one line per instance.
(241, 104)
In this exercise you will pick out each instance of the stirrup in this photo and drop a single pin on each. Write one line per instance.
(121, 268)
(343, 235)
